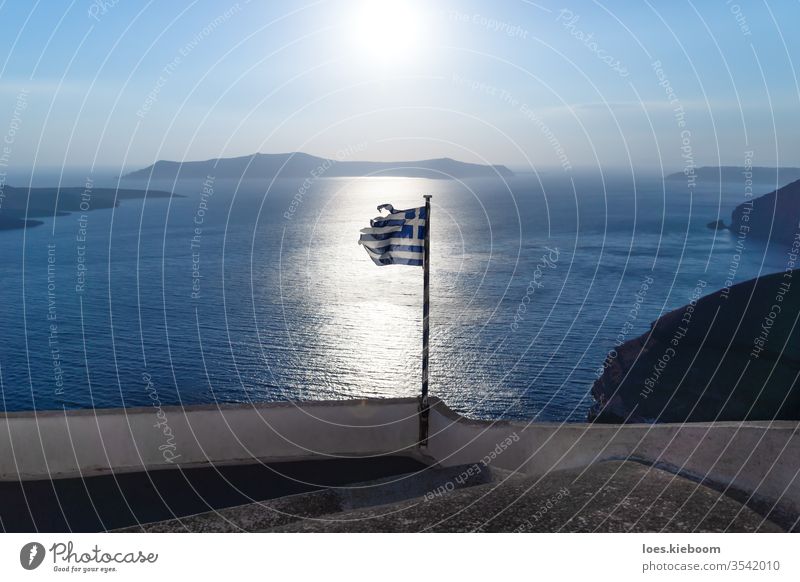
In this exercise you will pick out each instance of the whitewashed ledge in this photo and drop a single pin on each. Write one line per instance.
(759, 460)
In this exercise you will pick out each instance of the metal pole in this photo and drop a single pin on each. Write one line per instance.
(424, 410)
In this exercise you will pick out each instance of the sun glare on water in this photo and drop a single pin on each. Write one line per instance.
(387, 32)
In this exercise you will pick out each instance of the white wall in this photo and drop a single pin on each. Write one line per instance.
(755, 456)
(85, 442)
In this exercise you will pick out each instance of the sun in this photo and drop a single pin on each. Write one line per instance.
(387, 32)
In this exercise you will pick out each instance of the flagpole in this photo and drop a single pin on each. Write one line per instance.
(424, 410)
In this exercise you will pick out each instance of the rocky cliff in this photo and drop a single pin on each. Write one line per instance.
(732, 355)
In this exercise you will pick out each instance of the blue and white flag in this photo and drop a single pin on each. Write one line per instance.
(397, 238)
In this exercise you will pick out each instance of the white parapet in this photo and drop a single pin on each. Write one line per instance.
(73, 443)
(759, 459)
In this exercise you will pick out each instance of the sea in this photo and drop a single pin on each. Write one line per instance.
(257, 291)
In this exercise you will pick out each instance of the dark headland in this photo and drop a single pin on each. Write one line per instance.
(731, 355)
(774, 216)
(300, 165)
(18, 206)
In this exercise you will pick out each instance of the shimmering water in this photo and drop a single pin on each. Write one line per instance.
(533, 282)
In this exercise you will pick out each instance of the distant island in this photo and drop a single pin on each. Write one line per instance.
(300, 165)
(19, 205)
(762, 174)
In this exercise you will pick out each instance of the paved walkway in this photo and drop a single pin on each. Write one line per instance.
(612, 496)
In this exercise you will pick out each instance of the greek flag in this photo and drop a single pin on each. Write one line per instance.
(397, 238)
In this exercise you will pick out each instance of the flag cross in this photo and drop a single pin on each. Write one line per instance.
(416, 222)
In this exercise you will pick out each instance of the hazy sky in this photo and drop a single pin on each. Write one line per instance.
(566, 84)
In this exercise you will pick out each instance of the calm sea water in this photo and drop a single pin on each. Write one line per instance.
(271, 298)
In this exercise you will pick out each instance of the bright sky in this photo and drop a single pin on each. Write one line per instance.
(120, 84)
